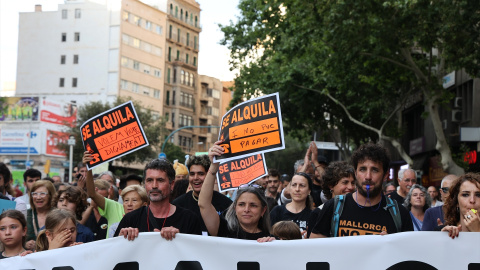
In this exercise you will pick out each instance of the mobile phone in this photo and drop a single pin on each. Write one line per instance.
(78, 175)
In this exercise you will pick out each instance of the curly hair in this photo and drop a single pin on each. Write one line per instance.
(74, 195)
(161, 165)
(373, 152)
(428, 199)
(332, 175)
(202, 160)
(450, 208)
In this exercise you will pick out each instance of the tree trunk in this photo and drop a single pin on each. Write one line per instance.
(442, 146)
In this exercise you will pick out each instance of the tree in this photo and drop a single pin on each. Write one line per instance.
(155, 130)
(361, 58)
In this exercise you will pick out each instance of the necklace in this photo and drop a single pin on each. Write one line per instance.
(148, 214)
(5, 255)
(378, 207)
(195, 198)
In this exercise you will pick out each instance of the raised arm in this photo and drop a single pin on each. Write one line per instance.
(96, 197)
(209, 214)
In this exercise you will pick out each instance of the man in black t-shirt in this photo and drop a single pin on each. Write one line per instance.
(159, 215)
(364, 211)
(197, 171)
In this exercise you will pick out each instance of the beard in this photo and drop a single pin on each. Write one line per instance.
(372, 193)
(159, 196)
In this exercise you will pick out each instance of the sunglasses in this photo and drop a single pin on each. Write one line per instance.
(445, 189)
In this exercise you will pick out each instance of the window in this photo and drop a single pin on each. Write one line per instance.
(171, 9)
(62, 59)
(187, 79)
(178, 35)
(64, 14)
(148, 25)
(146, 90)
(182, 76)
(64, 37)
(194, 43)
(191, 18)
(124, 61)
(156, 93)
(178, 56)
(125, 15)
(168, 76)
(186, 58)
(77, 36)
(74, 82)
(158, 29)
(170, 32)
(135, 87)
(124, 84)
(78, 13)
(136, 42)
(196, 21)
(136, 65)
(195, 61)
(186, 16)
(168, 98)
(188, 39)
(181, 14)
(174, 75)
(146, 69)
(157, 73)
(62, 82)
(75, 59)
(192, 80)
(173, 97)
(137, 20)
(169, 53)
(176, 12)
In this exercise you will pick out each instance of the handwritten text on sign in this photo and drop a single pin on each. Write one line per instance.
(237, 172)
(252, 127)
(113, 134)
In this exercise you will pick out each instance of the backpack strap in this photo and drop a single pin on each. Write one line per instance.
(338, 203)
(392, 207)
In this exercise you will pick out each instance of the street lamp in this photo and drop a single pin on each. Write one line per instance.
(71, 142)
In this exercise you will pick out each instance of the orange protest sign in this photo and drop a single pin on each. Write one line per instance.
(113, 134)
(237, 172)
(252, 127)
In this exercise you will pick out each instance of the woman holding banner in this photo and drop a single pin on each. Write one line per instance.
(246, 218)
(462, 205)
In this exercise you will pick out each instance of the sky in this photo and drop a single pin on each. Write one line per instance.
(212, 60)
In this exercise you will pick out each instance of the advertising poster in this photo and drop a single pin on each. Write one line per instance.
(237, 172)
(53, 140)
(16, 141)
(57, 112)
(18, 108)
(113, 134)
(252, 127)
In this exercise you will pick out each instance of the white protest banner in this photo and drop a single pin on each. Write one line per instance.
(410, 250)
(252, 127)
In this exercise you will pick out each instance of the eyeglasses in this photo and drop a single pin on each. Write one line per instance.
(249, 185)
(39, 194)
(445, 189)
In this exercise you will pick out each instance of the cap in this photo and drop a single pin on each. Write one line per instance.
(180, 169)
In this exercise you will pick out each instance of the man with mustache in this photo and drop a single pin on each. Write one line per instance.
(365, 211)
(159, 215)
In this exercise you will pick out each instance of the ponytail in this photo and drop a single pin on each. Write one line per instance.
(42, 241)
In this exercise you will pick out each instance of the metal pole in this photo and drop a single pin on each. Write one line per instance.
(28, 148)
(70, 165)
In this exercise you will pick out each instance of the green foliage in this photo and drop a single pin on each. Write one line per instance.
(283, 160)
(174, 152)
(368, 54)
(459, 156)
(154, 130)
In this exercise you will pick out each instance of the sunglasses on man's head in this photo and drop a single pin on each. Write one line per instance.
(445, 189)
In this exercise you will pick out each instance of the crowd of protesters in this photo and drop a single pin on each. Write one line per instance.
(177, 198)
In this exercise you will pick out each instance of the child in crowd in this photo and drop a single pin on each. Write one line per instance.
(13, 232)
(74, 199)
(60, 231)
(286, 230)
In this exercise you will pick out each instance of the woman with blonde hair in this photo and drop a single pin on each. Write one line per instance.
(42, 197)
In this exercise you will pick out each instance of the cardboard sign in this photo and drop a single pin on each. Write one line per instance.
(113, 134)
(237, 172)
(6, 205)
(252, 127)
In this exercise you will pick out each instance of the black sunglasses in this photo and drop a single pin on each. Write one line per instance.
(445, 189)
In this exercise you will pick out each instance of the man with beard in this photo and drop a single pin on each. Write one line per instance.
(365, 211)
(159, 215)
